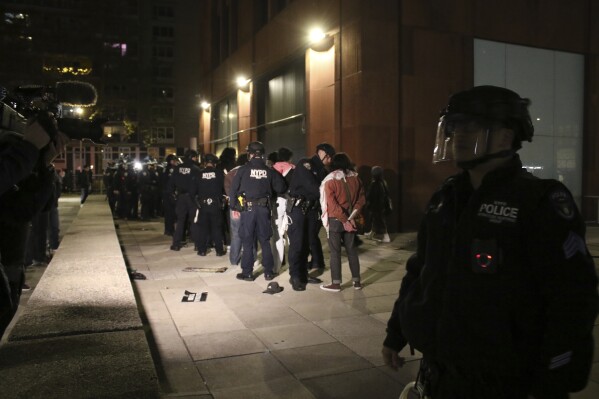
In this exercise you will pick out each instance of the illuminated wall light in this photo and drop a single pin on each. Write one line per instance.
(316, 35)
(205, 105)
(78, 111)
(242, 81)
(108, 135)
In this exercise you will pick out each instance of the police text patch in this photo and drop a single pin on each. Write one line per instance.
(498, 212)
(258, 174)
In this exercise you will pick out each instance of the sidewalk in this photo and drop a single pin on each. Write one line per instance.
(241, 343)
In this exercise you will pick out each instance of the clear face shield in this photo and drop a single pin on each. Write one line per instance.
(461, 138)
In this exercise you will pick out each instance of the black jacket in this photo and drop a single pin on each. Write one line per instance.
(502, 282)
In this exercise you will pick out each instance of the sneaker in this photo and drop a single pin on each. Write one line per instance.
(331, 287)
(25, 287)
(357, 285)
(201, 253)
(175, 248)
(386, 238)
(297, 284)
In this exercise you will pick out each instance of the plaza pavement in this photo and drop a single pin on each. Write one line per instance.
(242, 343)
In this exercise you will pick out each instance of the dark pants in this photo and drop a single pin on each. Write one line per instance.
(133, 202)
(84, 194)
(53, 228)
(255, 224)
(148, 202)
(450, 383)
(13, 241)
(210, 226)
(303, 239)
(186, 212)
(37, 238)
(336, 233)
(170, 216)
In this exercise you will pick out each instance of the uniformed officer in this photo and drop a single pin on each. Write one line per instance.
(208, 191)
(304, 215)
(148, 189)
(107, 180)
(132, 192)
(501, 294)
(181, 183)
(119, 188)
(168, 198)
(250, 197)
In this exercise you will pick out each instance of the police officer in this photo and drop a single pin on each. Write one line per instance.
(250, 197)
(181, 183)
(107, 180)
(501, 294)
(132, 192)
(168, 198)
(208, 192)
(148, 189)
(119, 188)
(303, 210)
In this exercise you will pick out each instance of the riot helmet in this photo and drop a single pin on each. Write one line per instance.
(256, 148)
(210, 158)
(476, 114)
(170, 158)
(190, 154)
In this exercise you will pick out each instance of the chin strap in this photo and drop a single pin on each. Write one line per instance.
(467, 165)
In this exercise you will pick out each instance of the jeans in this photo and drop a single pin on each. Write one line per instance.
(336, 231)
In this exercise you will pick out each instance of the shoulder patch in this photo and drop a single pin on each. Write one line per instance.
(563, 203)
(307, 165)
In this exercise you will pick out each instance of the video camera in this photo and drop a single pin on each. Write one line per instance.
(45, 103)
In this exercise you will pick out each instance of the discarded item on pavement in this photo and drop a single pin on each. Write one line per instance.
(221, 269)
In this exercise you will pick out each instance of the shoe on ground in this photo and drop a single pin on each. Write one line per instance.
(201, 253)
(269, 276)
(386, 238)
(297, 284)
(357, 285)
(245, 277)
(223, 253)
(175, 248)
(25, 287)
(331, 287)
(314, 280)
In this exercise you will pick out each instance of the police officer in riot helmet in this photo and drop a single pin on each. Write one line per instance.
(148, 188)
(180, 185)
(251, 199)
(303, 209)
(168, 199)
(208, 190)
(501, 294)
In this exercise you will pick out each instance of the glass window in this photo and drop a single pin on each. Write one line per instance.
(554, 82)
(225, 124)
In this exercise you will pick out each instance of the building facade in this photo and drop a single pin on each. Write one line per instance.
(140, 55)
(375, 83)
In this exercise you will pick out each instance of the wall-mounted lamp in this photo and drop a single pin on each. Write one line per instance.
(320, 40)
(205, 105)
(243, 83)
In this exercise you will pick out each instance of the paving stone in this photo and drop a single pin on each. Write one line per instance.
(293, 336)
(218, 345)
(369, 383)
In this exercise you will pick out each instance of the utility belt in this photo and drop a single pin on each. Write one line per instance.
(250, 203)
(301, 202)
(210, 202)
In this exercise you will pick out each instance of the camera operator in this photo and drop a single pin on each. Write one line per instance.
(26, 188)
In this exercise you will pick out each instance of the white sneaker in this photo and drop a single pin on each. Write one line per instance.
(386, 238)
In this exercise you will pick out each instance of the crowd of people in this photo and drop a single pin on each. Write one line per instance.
(255, 202)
